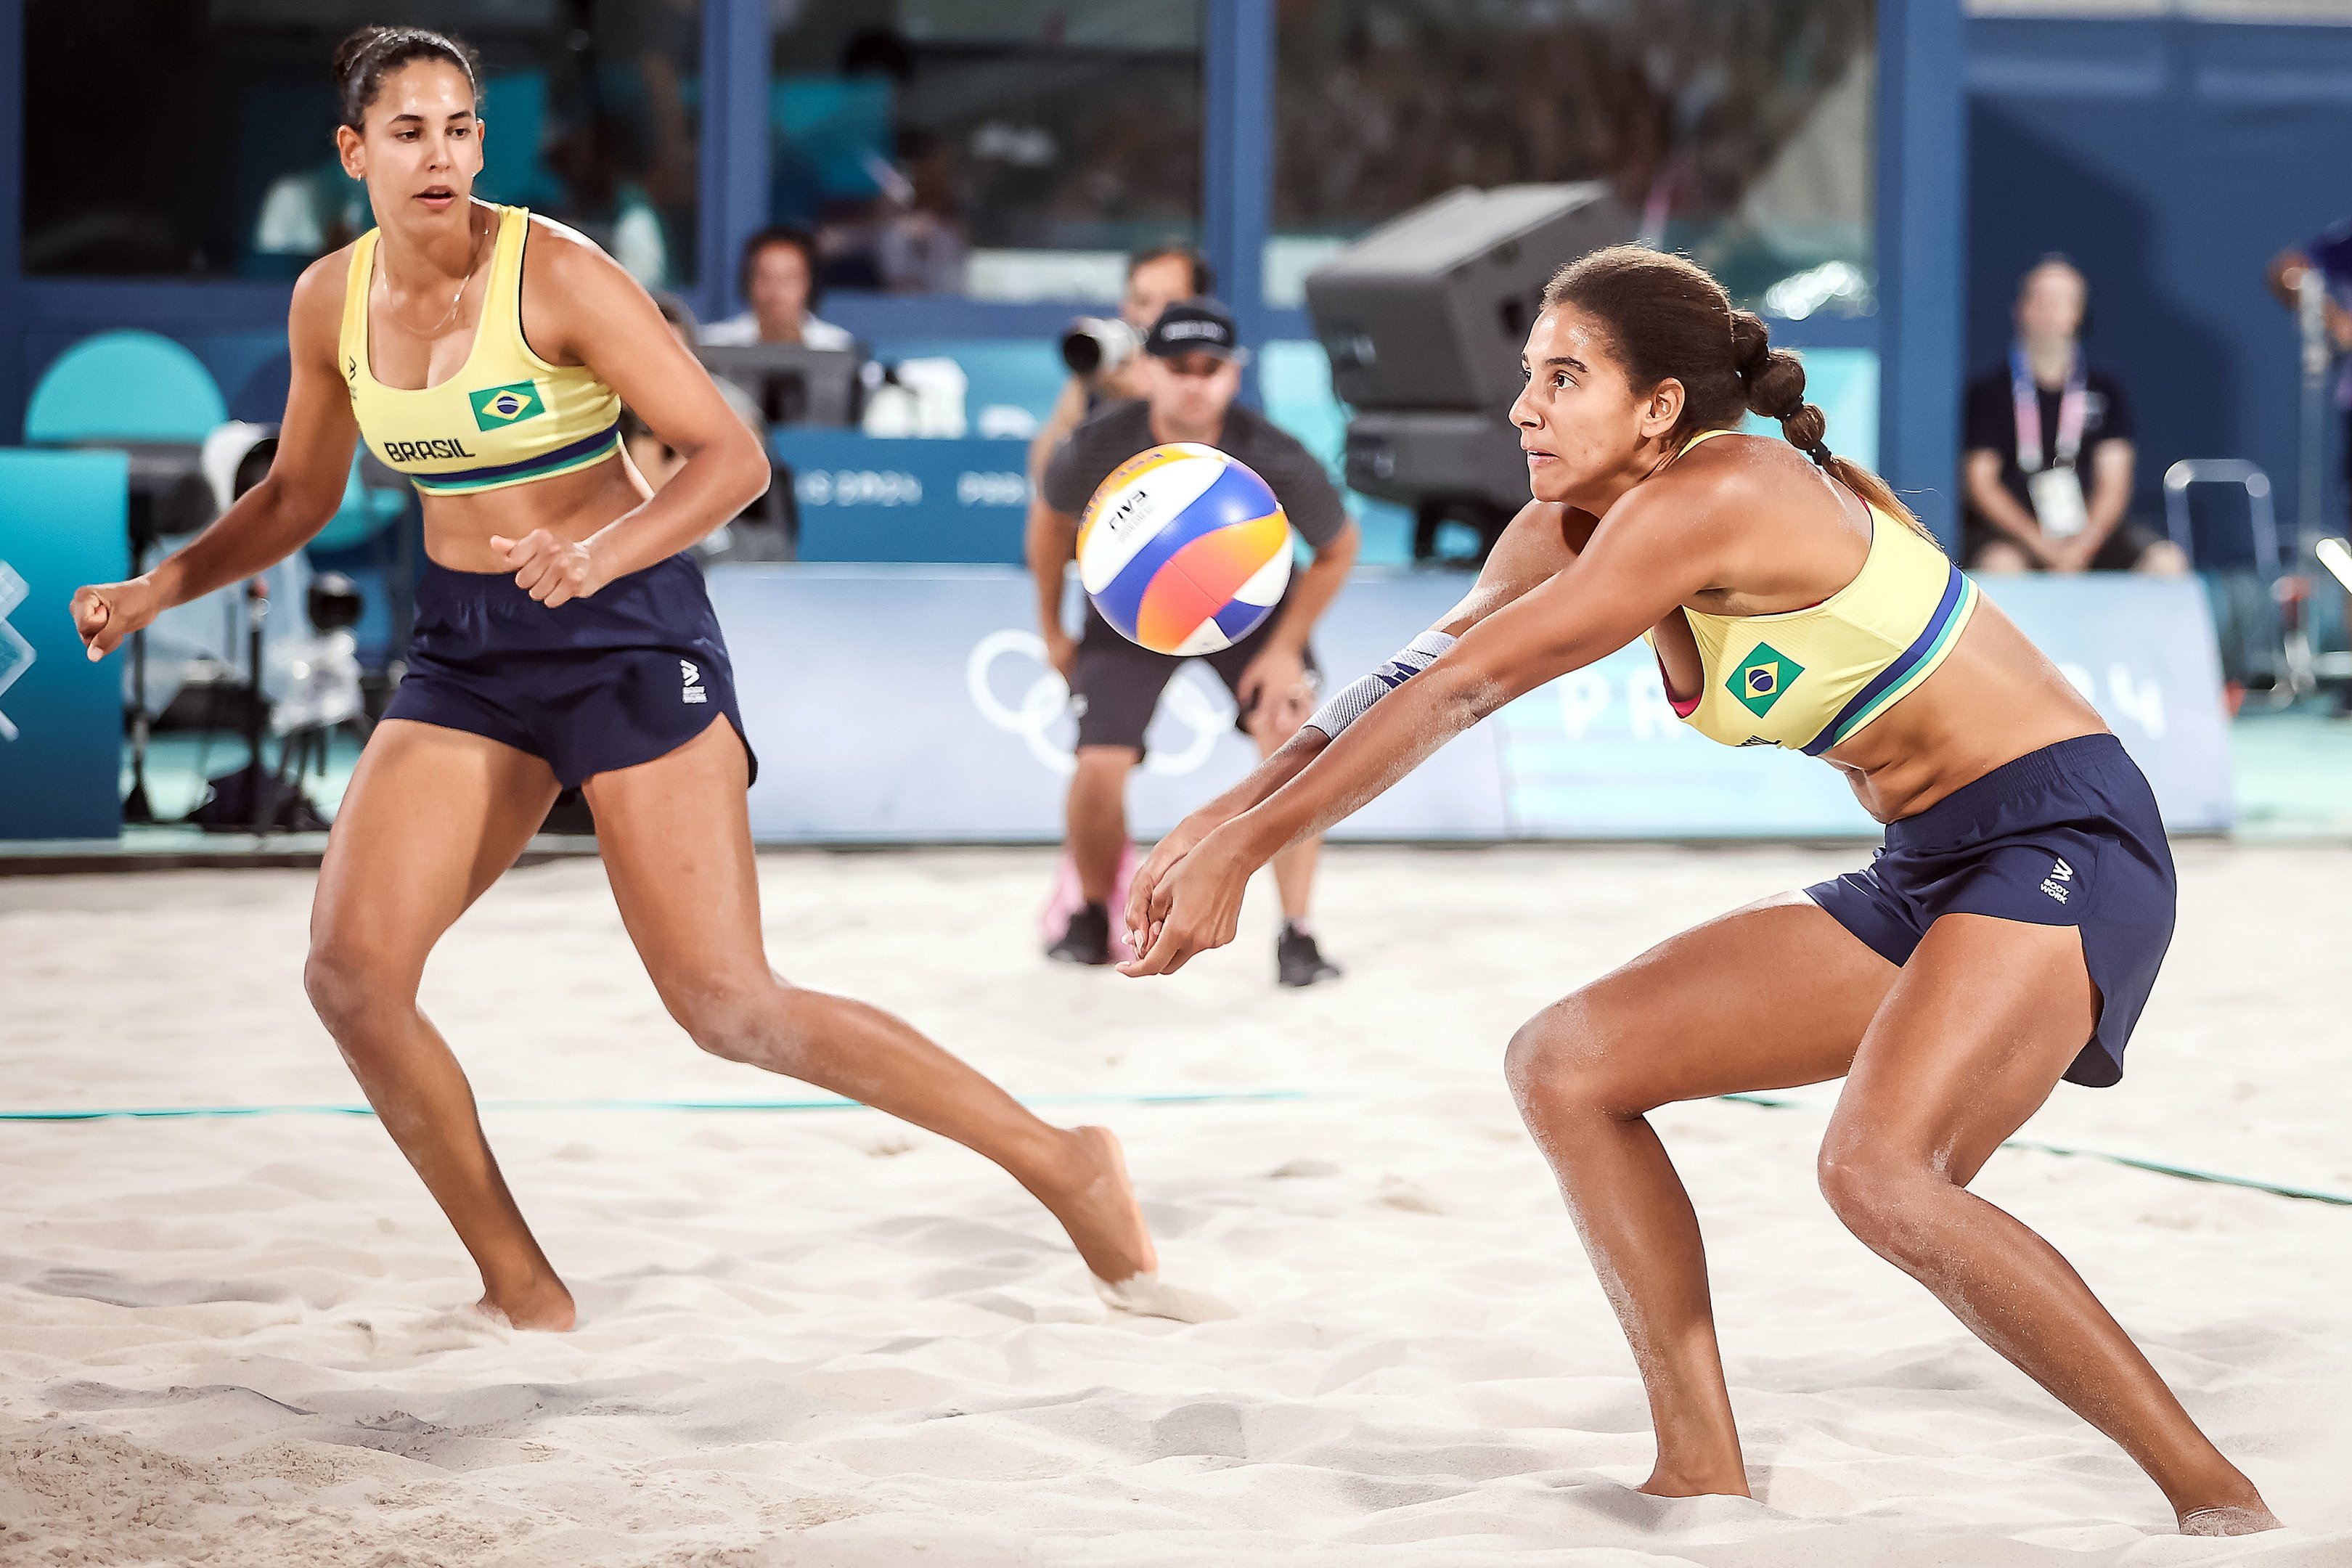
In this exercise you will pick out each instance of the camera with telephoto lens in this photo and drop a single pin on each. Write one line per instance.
(1094, 345)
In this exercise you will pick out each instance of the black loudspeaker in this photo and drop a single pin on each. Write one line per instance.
(1431, 310)
(1424, 319)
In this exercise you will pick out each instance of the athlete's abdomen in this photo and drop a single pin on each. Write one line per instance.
(458, 529)
(1994, 697)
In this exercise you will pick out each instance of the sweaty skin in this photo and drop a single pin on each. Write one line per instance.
(434, 814)
(1944, 1058)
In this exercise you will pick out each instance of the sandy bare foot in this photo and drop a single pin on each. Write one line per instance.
(2229, 1521)
(1662, 1483)
(546, 1307)
(1097, 1205)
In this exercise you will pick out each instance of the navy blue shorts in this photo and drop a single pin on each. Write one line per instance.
(630, 673)
(2067, 836)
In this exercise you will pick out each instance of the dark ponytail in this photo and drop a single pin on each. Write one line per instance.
(1671, 320)
(372, 54)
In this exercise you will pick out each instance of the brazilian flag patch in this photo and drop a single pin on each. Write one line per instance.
(1759, 680)
(500, 406)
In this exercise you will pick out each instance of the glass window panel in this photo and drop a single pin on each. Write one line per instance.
(165, 138)
(1740, 130)
(1003, 149)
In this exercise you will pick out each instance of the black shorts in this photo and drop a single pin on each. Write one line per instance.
(2119, 552)
(2067, 836)
(1117, 684)
(626, 675)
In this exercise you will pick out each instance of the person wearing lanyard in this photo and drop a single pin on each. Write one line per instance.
(2049, 449)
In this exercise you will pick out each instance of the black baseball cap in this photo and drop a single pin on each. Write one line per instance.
(1198, 325)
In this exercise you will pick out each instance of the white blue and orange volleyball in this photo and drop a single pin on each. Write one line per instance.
(1184, 549)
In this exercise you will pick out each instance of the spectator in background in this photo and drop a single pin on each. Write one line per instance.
(779, 280)
(2049, 449)
(1156, 279)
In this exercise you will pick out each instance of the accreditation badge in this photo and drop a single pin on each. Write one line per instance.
(2058, 504)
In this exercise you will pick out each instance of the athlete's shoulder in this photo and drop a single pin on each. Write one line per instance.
(327, 276)
(1715, 488)
(563, 255)
(318, 293)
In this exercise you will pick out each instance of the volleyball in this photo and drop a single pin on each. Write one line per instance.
(1184, 549)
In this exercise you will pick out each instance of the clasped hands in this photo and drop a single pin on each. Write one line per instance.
(1186, 896)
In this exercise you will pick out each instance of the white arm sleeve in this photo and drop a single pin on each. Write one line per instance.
(1352, 701)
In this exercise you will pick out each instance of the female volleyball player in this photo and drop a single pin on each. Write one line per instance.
(562, 639)
(2005, 937)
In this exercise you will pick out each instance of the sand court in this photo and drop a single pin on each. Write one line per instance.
(820, 1337)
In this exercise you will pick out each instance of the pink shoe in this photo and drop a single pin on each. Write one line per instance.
(1067, 899)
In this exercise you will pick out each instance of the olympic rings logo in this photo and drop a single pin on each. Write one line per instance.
(1035, 715)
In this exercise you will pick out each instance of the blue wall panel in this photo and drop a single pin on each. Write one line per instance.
(2171, 160)
(1921, 193)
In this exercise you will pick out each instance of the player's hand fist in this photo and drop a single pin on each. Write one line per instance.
(551, 570)
(106, 613)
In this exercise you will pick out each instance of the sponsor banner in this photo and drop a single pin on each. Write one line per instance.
(864, 498)
(913, 704)
(62, 524)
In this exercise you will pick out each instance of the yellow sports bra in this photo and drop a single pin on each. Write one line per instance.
(507, 417)
(1806, 680)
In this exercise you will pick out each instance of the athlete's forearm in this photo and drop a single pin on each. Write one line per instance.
(1317, 587)
(1396, 736)
(717, 482)
(1287, 762)
(265, 526)
(1439, 686)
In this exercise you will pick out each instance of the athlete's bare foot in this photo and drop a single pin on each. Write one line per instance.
(1664, 1482)
(543, 1305)
(1096, 1204)
(2235, 1520)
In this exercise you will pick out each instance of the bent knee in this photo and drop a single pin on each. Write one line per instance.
(346, 984)
(739, 1019)
(1876, 1192)
(1565, 1056)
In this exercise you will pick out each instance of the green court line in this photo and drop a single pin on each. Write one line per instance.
(1179, 1096)
(2184, 1172)
(185, 1112)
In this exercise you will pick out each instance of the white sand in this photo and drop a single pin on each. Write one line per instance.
(825, 1339)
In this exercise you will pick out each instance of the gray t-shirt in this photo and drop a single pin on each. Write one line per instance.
(1117, 431)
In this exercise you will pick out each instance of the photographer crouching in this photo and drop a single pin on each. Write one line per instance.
(1189, 372)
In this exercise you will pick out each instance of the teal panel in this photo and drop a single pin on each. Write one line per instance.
(124, 386)
(1844, 383)
(62, 524)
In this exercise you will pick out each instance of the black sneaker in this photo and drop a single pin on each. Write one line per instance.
(1298, 960)
(1086, 940)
